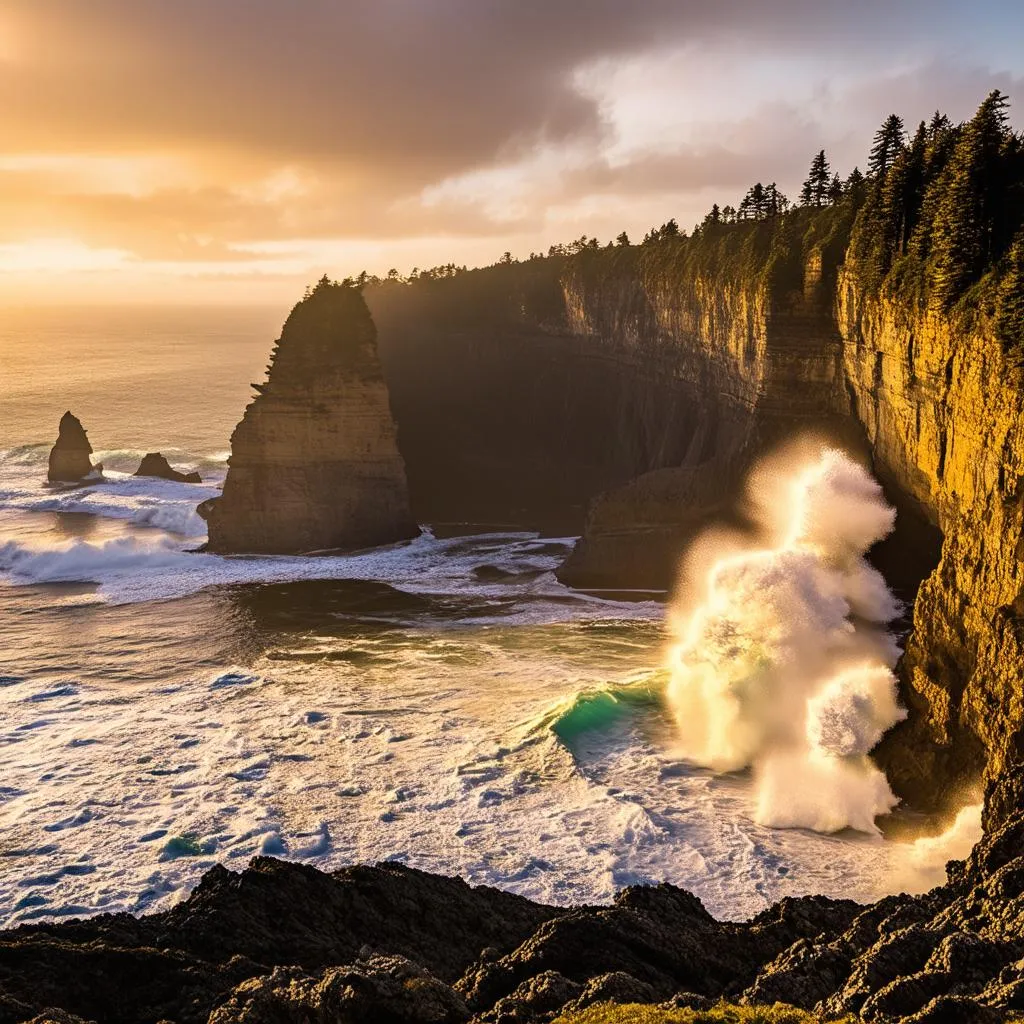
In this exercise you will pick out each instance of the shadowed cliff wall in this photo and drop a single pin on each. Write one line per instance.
(524, 391)
(648, 379)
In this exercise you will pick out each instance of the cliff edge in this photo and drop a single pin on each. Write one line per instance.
(314, 462)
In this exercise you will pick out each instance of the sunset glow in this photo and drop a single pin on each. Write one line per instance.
(149, 148)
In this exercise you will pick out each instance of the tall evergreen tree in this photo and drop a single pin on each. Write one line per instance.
(1010, 299)
(889, 142)
(938, 124)
(971, 202)
(854, 186)
(775, 202)
(835, 190)
(815, 188)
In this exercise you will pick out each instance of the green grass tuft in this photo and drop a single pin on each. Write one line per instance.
(723, 1013)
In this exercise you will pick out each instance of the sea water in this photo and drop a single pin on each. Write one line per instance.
(446, 702)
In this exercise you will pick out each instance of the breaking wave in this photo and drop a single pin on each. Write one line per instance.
(782, 661)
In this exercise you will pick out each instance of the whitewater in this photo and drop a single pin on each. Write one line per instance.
(446, 702)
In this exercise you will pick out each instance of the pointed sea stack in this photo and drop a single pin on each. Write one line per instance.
(314, 462)
(69, 457)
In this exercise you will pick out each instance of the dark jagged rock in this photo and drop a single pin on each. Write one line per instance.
(154, 464)
(382, 989)
(181, 964)
(69, 457)
(282, 943)
(314, 462)
(662, 937)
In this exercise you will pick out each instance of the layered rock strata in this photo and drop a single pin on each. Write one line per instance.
(314, 462)
(524, 391)
(943, 410)
(69, 457)
(154, 464)
(285, 942)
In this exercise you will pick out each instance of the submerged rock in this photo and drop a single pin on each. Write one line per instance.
(154, 464)
(69, 457)
(314, 462)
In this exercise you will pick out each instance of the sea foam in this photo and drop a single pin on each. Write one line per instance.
(782, 662)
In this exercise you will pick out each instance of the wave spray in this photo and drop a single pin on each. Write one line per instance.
(782, 660)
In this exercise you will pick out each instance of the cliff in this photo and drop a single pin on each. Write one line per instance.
(314, 462)
(508, 415)
(524, 390)
(755, 351)
(943, 409)
(653, 377)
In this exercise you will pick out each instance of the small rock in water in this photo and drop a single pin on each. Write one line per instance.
(154, 464)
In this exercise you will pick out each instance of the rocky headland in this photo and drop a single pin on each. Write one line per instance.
(70, 460)
(314, 462)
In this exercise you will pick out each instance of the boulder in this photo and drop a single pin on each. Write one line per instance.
(154, 464)
(69, 457)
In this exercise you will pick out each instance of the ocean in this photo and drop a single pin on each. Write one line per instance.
(445, 702)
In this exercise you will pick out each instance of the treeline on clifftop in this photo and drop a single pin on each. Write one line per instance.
(937, 219)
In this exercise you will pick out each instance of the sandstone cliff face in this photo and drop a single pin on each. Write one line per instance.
(69, 457)
(314, 462)
(521, 392)
(508, 416)
(944, 414)
(755, 370)
(649, 388)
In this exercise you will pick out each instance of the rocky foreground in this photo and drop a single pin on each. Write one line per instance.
(283, 942)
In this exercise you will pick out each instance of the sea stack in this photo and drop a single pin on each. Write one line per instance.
(155, 464)
(314, 462)
(69, 457)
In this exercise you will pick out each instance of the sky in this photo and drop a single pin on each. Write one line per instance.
(234, 150)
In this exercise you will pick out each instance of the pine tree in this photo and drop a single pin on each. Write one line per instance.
(815, 188)
(835, 191)
(775, 202)
(972, 198)
(1010, 299)
(890, 141)
(757, 201)
(854, 186)
(623, 239)
(938, 124)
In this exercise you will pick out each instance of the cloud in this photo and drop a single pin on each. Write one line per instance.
(183, 131)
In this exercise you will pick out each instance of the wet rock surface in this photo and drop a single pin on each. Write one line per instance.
(283, 942)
